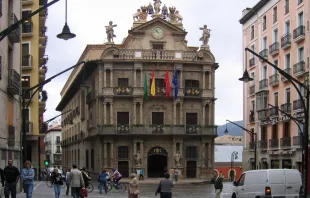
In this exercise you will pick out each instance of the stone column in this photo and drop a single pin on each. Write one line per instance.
(203, 114)
(210, 80)
(209, 155)
(111, 78)
(134, 147)
(210, 113)
(203, 79)
(174, 113)
(142, 152)
(100, 79)
(134, 113)
(112, 155)
(181, 113)
(97, 112)
(181, 150)
(203, 153)
(141, 77)
(135, 78)
(141, 112)
(105, 77)
(100, 112)
(104, 113)
(99, 155)
(181, 79)
(111, 113)
(105, 154)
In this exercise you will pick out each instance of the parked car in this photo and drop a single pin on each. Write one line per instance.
(268, 183)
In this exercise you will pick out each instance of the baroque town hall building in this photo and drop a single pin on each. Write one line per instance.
(114, 119)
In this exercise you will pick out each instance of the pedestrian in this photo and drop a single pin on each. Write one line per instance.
(57, 182)
(11, 174)
(133, 190)
(102, 179)
(85, 177)
(76, 181)
(141, 174)
(68, 182)
(176, 174)
(27, 178)
(218, 185)
(165, 187)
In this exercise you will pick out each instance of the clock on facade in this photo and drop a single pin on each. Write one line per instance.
(157, 33)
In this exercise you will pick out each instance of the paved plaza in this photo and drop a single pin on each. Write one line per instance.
(198, 190)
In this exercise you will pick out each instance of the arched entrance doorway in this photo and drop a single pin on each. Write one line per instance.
(156, 162)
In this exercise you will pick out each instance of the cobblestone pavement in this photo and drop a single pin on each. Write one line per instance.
(198, 190)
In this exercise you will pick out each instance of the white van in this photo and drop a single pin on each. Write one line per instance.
(284, 183)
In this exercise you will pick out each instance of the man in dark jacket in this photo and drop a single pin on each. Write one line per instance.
(218, 185)
(11, 174)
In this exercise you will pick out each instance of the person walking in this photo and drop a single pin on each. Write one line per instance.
(218, 185)
(27, 178)
(102, 179)
(176, 174)
(76, 181)
(85, 177)
(68, 182)
(165, 187)
(57, 182)
(141, 174)
(11, 174)
(133, 190)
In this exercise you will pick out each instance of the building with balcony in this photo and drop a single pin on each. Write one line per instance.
(33, 67)
(10, 72)
(116, 122)
(275, 30)
(52, 145)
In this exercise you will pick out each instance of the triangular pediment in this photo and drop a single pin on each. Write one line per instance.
(158, 22)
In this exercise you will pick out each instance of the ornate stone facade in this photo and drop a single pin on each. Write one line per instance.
(113, 125)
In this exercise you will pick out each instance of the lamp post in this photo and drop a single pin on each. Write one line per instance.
(252, 135)
(295, 82)
(234, 156)
(66, 34)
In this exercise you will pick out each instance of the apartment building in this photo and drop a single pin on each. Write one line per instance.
(116, 122)
(10, 122)
(52, 145)
(33, 64)
(276, 30)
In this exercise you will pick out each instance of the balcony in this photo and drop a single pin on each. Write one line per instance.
(58, 151)
(264, 53)
(27, 2)
(286, 41)
(273, 112)
(42, 73)
(252, 117)
(42, 105)
(252, 62)
(27, 29)
(299, 69)
(192, 92)
(29, 129)
(192, 129)
(122, 128)
(42, 45)
(288, 71)
(263, 114)
(274, 143)
(297, 105)
(252, 89)
(28, 95)
(13, 82)
(43, 60)
(123, 91)
(299, 34)
(14, 36)
(297, 141)
(157, 128)
(274, 80)
(262, 144)
(286, 108)
(274, 49)
(285, 142)
(263, 84)
(252, 145)
(26, 62)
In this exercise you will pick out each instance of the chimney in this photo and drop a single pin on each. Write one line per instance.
(245, 11)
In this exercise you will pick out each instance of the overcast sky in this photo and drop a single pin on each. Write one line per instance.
(87, 18)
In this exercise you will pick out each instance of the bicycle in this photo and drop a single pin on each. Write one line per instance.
(121, 187)
(90, 187)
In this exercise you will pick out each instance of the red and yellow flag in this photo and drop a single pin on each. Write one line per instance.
(153, 90)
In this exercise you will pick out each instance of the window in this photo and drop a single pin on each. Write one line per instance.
(262, 101)
(241, 180)
(300, 18)
(286, 129)
(274, 71)
(299, 1)
(265, 42)
(287, 27)
(252, 107)
(58, 149)
(122, 118)
(287, 6)
(264, 22)
(288, 95)
(252, 32)
(26, 81)
(25, 49)
(275, 35)
(300, 54)
(123, 152)
(157, 118)
(276, 99)
(192, 83)
(263, 135)
(191, 152)
(275, 14)
(92, 158)
(87, 159)
(274, 131)
(191, 118)
(264, 72)
(123, 82)
(160, 83)
(58, 139)
(158, 46)
(302, 91)
(26, 13)
(253, 49)
(287, 61)
(252, 82)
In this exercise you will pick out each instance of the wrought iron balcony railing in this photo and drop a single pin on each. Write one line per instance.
(13, 82)
(274, 48)
(285, 142)
(15, 35)
(263, 114)
(252, 61)
(251, 145)
(299, 68)
(252, 89)
(286, 107)
(263, 144)
(288, 71)
(264, 53)
(263, 84)
(273, 112)
(297, 141)
(274, 79)
(286, 40)
(297, 104)
(252, 117)
(274, 143)
(299, 32)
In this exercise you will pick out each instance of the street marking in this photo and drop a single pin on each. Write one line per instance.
(36, 186)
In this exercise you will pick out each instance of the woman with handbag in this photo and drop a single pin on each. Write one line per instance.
(133, 190)
(165, 187)
(57, 182)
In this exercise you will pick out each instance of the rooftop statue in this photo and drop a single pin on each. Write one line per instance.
(164, 12)
(205, 36)
(110, 31)
(178, 16)
(157, 4)
(136, 16)
(150, 9)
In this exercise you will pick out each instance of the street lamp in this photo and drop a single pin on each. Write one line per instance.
(252, 135)
(234, 156)
(66, 34)
(305, 105)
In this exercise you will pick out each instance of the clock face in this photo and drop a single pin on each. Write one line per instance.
(157, 33)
